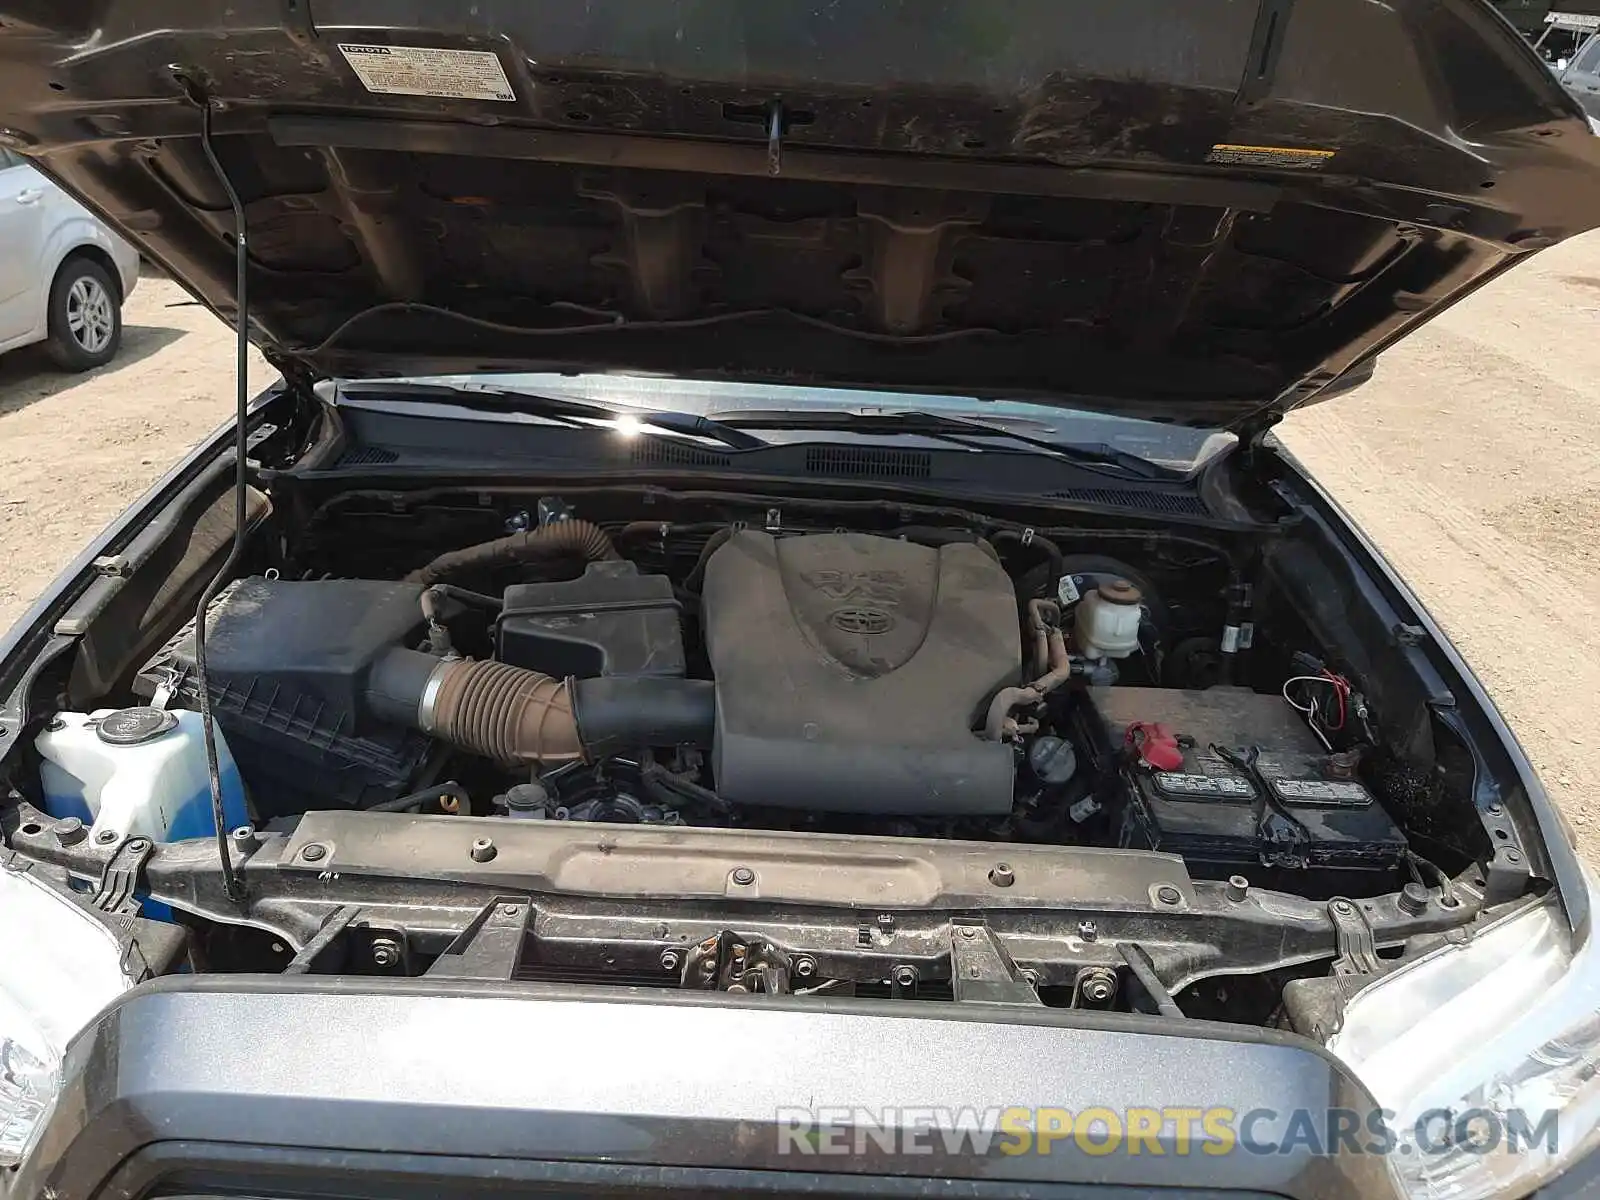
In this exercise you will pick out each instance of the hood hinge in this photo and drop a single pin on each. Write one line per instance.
(295, 372)
(1253, 431)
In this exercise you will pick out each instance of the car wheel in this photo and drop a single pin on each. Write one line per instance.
(85, 317)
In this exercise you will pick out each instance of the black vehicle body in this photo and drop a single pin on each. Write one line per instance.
(1203, 215)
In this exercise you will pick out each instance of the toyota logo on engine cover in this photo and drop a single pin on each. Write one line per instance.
(861, 620)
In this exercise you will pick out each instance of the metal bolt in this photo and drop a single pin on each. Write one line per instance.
(1029, 976)
(483, 850)
(905, 976)
(1002, 875)
(1413, 898)
(106, 836)
(1494, 810)
(1513, 856)
(1343, 907)
(805, 966)
(743, 876)
(1342, 764)
(385, 952)
(69, 831)
(1169, 895)
(1238, 887)
(510, 910)
(313, 852)
(55, 725)
(671, 960)
(1096, 985)
(1087, 931)
(138, 843)
(967, 931)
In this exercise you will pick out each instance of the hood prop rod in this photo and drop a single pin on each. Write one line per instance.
(230, 881)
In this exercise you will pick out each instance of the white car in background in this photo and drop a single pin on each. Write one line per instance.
(63, 274)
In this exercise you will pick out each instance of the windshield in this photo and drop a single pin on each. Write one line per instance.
(1173, 446)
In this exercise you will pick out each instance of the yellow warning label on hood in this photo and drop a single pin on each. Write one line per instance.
(1230, 154)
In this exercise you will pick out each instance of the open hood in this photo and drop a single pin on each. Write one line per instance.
(1196, 210)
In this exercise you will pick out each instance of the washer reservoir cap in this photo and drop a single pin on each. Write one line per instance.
(130, 726)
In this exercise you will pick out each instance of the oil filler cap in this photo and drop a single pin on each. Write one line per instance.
(130, 726)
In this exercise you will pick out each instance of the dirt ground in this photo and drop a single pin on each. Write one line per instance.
(1473, 460)
(75, 450)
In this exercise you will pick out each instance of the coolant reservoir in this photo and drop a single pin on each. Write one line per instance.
(137, 772)
(1107, 624)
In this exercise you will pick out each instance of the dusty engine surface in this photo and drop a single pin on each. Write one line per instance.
(916, 681)
(851, 671)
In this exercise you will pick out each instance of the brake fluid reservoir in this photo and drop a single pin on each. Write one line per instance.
(137, 771)
(1107, 621)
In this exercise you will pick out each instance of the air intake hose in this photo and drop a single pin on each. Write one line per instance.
(511, 714)
(560, 539)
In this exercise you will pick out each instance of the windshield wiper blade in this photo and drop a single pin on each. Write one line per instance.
(961, 431)
(574, 413)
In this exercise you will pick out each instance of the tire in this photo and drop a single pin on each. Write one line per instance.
(85, 316)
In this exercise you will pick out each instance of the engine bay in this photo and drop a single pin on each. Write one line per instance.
(915, 682)
(671, 702)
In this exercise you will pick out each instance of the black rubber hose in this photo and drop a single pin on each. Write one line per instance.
(562, 539)
(451, 592)
(697, 575)
(1050, 550)
(934, 535)
(675, 793)
(396, 683)
(617, 715)
(415, 800)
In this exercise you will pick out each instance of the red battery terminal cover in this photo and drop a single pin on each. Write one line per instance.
(1155, 745)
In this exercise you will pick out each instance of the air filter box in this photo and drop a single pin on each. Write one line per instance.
(287, 664)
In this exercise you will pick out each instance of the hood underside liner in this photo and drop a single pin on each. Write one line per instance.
(1207, 237)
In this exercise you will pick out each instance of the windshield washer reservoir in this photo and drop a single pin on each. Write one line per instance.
(136, 772)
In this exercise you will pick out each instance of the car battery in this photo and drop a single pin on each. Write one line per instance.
(1186, 798)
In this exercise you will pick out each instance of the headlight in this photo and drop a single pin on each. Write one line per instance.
(1488, 1055)
(58, 968)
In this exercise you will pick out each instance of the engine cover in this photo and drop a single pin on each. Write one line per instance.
(851, 669)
